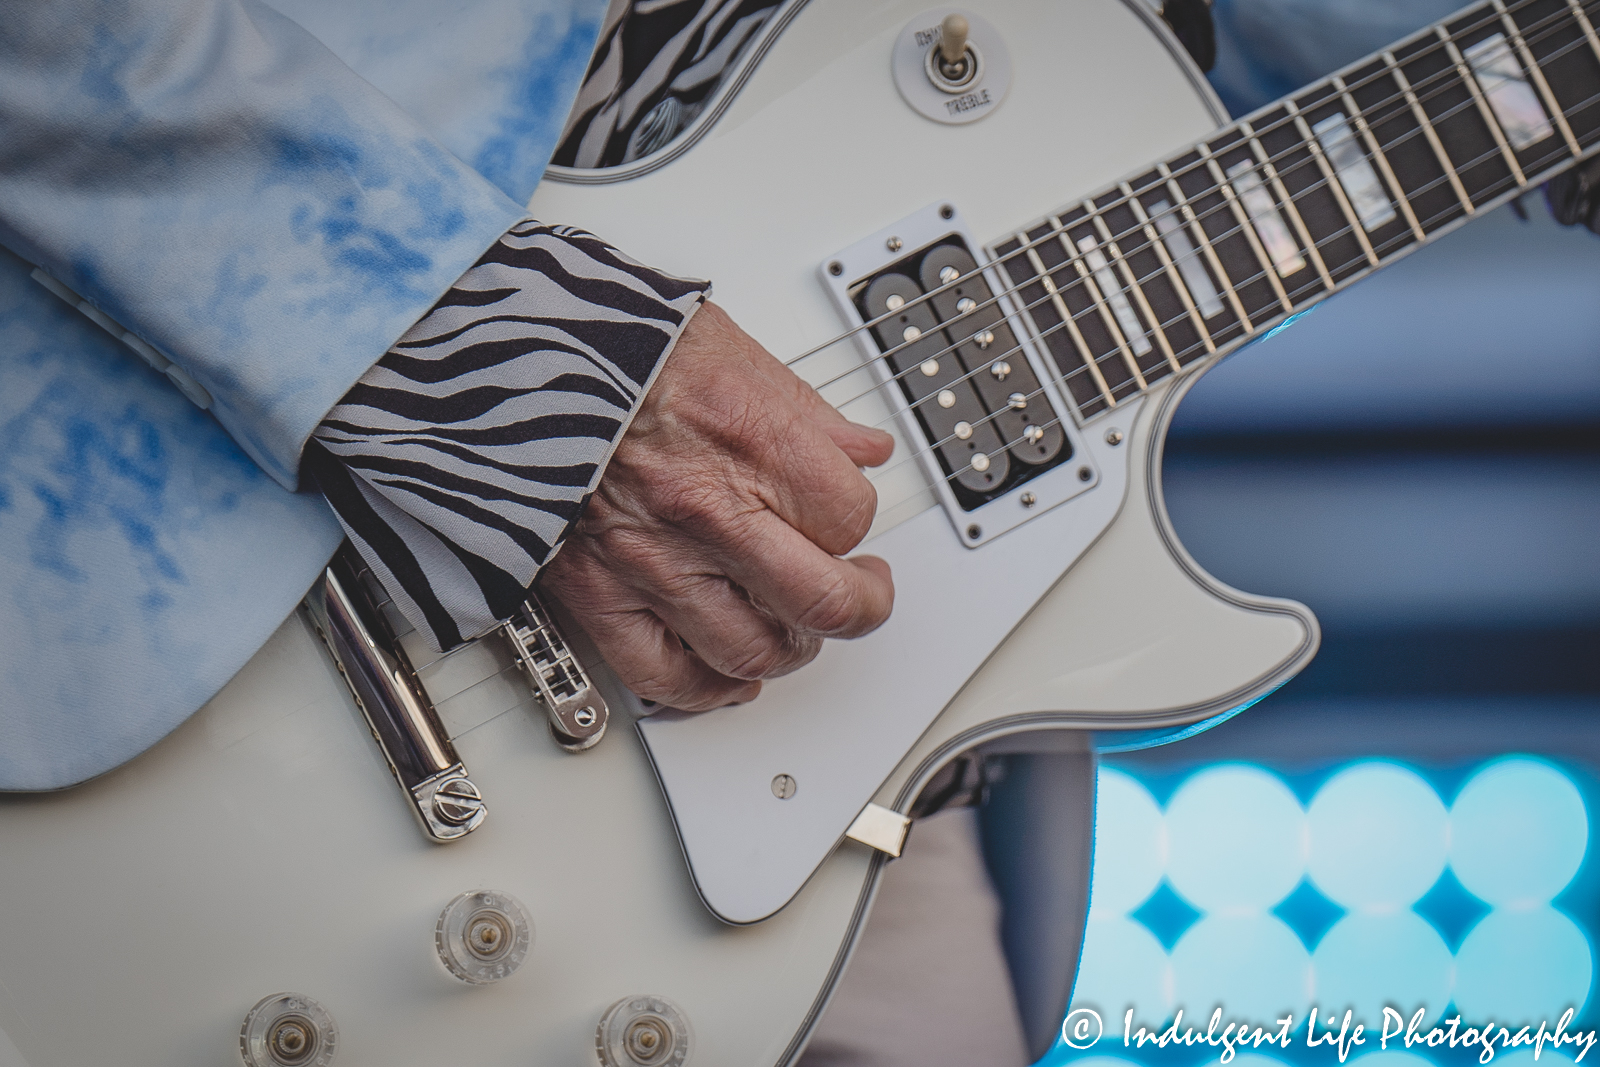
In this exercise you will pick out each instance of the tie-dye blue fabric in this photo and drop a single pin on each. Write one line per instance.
(244, 197)
(145, 556)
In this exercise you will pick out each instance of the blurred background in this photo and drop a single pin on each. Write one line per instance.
(1408, 822)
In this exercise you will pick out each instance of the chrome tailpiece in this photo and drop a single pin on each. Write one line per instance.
(396, 707)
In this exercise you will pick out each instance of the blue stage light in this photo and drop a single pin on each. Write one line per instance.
(1518, 832)
(1236, 839)
(1392, 1059)
(1129, 867)
(1523, 966)
(1123, 967)
(1367, 962)
(1252, 966)
(1379, 837)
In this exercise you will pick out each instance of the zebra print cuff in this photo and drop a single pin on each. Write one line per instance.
(462, 458)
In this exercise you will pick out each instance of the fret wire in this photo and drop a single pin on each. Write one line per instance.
(1074, 316)
(1538, 78)
(1333, 184)
(1430, 133)
(1092, 287)
(1067, 314)
(1245, 225)
(1408, 93)
(1424, 125)
(1171, 268)
(1380, 158)
(1137, 290)
(1071, 323)
(1387, 246)
(1206, 250)
(1271, 172)
(1017, 348)
(1489, 118)
(1588, 28)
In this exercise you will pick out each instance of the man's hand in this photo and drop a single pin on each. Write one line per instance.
(707, 558)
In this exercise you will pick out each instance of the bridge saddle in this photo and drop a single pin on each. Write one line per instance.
(578, 713)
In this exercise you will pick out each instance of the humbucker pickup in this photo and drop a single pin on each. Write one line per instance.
(957, 366)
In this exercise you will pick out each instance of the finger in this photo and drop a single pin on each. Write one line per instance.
(865, 445)
(726, 631)
(645, 654)
(816, 488)
(805, 588)
(650, 660)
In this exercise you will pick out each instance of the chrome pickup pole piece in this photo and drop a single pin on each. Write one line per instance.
(578, 713)
(395, 705)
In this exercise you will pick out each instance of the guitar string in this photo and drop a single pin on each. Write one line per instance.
(1129, 385)
(1223, 206)
(1095, 310)
(1092, 212)
(1322, 181)
(1557, 22)
(1350, 87)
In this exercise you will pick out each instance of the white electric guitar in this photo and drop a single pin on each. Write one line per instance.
(1016, 249)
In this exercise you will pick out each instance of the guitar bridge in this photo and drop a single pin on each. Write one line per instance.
(578, 713)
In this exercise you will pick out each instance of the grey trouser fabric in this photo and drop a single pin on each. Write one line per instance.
(927, 985)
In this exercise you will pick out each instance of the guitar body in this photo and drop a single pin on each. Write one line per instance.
(262, 846)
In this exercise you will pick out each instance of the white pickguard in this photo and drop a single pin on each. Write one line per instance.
(818, 151)
(840, 726)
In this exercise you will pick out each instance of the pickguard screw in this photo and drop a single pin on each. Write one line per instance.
(1113, 437)
(974, 532)
(947, 212)
(1029, 500)
(894, 244)
(1084, 474)
(784, 786)
(836, 268)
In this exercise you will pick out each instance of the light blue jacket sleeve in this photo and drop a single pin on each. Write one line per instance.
(216, 180)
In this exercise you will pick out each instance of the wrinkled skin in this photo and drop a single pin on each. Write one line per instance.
(709, 557)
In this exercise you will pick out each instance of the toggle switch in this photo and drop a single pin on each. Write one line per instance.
(953, 39)
(952, 67)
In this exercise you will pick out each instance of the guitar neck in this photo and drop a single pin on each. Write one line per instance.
(1220, 243)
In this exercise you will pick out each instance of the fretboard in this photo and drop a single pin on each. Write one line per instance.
(1213, 247)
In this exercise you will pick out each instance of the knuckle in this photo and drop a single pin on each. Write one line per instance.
(833, 610)
(700, 504)
(761, 656)
(859, 506)
(666, 685)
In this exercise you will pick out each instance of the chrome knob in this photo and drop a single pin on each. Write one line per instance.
(643, 1031)
(288, 1030)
